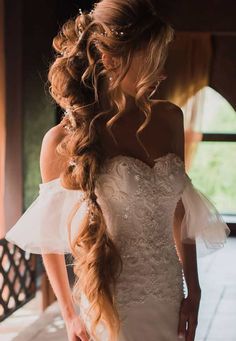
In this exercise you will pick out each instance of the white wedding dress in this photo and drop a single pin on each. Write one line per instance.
(138, 203)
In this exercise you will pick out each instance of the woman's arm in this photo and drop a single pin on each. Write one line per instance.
(55, 267)
(187, 252)
(50, 167)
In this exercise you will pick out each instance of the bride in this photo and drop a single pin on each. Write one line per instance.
(114, 191)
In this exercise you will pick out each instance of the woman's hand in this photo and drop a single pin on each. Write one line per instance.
(189, 312)
(76, 329)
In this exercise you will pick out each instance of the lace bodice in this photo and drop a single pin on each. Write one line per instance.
(139, 202)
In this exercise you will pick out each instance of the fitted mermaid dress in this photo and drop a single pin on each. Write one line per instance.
(138, 204)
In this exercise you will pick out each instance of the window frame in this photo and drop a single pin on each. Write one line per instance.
(230, 219)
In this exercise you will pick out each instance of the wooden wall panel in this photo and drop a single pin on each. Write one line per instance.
(2, 121)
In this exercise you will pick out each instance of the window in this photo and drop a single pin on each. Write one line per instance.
(213, 169)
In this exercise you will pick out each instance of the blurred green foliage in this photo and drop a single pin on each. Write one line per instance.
(214, 167)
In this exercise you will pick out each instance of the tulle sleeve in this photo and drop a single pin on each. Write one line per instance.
(43, 226)
(202, 223)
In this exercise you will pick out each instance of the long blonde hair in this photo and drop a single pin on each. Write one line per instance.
(77, 80)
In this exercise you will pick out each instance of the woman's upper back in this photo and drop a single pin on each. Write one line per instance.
(159, 138)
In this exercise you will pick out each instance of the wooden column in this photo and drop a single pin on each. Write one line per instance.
(2, 121)
(13, 183)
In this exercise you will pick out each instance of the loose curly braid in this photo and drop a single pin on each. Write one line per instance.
(80, 84)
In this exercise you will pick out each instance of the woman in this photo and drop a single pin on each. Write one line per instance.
(114, 184)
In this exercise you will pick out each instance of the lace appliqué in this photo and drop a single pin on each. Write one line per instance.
(143, 199)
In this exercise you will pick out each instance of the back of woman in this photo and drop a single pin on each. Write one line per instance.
(115, 194)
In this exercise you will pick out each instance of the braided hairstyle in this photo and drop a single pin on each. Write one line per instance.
(82, 86)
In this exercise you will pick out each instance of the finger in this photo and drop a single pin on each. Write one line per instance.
(81, 334)
(79, 337)
(192, 325)
(182, 325)
(84, 336)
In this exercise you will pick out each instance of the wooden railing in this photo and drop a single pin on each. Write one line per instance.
(17, 278)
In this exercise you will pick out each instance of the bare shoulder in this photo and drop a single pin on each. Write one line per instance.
(166, 109)
(51, 162)
(170, 116)
(53, 136)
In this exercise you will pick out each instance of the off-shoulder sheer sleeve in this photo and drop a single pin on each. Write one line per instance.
(43, 226)
(202, 223)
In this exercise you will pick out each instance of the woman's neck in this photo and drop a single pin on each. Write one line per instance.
(131, 108)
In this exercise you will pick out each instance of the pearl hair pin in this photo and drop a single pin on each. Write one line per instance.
(113, 31)
(73, 126)
(71, 117)
(72, 163)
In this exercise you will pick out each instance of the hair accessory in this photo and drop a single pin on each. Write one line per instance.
(90, 12)
(72, 163)
(90, 211)
(80, 26)
(91, 217)
(117, 33)
(113, 32)
(71, 117)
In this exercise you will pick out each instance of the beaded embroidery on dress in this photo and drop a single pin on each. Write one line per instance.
(138, 203)
(142, 203)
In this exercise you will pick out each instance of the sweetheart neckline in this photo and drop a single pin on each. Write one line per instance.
(129, 157)
(167, 155)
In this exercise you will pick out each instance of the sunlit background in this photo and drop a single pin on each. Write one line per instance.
(214, 166)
